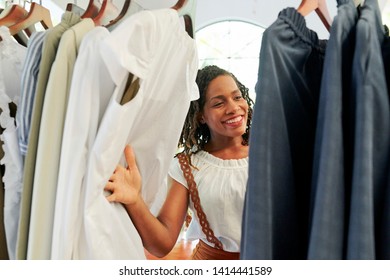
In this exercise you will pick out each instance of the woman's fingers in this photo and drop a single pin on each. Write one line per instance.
(109, 187)
(130, 158)
(125, 183)
(118, 168)
(117, 171)
(111, 197)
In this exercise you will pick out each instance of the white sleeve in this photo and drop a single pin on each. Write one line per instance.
(176, 173)
(130, 56)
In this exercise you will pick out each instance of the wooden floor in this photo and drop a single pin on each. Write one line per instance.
(181, 251)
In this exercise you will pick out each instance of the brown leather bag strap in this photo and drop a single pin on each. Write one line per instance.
(194, 194)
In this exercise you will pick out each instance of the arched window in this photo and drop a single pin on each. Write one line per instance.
(234, 46)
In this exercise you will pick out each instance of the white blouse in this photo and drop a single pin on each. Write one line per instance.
(221, 185)
(12, 56)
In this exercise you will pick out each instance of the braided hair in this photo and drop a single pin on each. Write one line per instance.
(195, 135)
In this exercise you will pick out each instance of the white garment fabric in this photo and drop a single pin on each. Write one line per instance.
(12, 56)
(153, 46)
(50, 139)
(90, 92)
(221, 186)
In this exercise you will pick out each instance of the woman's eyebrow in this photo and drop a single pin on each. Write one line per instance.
(221, 96)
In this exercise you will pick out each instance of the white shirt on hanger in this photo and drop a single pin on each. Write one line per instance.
(12, 56)
(90, 92)
(153, 46)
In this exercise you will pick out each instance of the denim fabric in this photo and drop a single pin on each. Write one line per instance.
(276, 210)
(372, 138)
(383, 247)
(334, 141)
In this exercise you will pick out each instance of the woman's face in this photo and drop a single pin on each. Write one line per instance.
(225, 110)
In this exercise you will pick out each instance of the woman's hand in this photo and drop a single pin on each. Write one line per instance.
(125, 183)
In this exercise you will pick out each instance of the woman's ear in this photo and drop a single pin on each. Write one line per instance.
(201, 119)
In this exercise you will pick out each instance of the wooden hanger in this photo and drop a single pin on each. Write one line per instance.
(121, 15)
(187, 9)
(92, 9)
(100, 15)
(307, 6)
(12, 15)
(105, 13)
(37, 14)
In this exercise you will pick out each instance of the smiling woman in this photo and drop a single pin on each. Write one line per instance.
(209, 176)
(225, 111)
